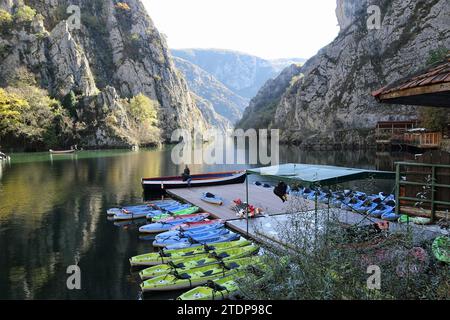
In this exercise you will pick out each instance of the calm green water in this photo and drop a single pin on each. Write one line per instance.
(52, 215)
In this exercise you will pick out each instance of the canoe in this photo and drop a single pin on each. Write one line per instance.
(183, 212)
(164, 256)
(167, 224)
(231, 236)
(195, 277)
(191, 231)
(212, 199)
(441, 249)
(61, 151)
(187, 264)
(202, 237)
(198, 180)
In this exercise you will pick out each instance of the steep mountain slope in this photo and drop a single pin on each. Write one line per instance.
(332, 102)
(242, 73)
(261, 110)
(226, 103)
(115, 54)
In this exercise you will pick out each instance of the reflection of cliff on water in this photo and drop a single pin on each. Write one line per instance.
(50, 213)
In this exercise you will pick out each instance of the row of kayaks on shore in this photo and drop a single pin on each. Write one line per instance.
(380, 205)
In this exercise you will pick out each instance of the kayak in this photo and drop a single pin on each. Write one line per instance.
(213, 199)
(185, 264)
(218, 289)
(441, 249)
(164, 256)
(190, 231)
(195, 277)
(168, 210)
(197, 237)
(130, 216)
(417, 220)
(190, 242)
(183, 212)
(169, 223)
(190, 225)
(150, 206)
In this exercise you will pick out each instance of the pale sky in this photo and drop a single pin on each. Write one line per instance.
(266, 28)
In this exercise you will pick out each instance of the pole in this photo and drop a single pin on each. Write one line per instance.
(246, 199)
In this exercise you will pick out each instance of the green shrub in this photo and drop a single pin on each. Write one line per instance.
(143, 109)
(438, 55)
(29, 114)
(5, 19)
(24, 14)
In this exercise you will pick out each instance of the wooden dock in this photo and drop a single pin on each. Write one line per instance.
(265, 229)
(259, 196)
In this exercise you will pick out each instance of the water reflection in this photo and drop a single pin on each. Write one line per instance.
(52, 215)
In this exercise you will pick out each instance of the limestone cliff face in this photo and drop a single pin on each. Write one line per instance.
(117, 53)
(259, 114)
(332, 102)
(224, 101)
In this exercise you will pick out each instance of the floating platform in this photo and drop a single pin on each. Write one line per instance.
(268, 228)
(259, 196)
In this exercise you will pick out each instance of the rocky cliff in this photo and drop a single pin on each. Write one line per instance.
(259, 114)
(223, 101)
(332, 103)
(114, 54)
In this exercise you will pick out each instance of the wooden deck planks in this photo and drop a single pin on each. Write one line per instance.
(260, 197)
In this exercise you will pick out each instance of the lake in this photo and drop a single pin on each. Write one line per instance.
(53, 214)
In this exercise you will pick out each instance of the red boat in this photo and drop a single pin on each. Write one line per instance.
(198, 180)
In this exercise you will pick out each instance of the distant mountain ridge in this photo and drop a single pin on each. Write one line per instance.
(214, 93)
(242, 73)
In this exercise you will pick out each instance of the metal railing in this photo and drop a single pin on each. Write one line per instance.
(433, 184)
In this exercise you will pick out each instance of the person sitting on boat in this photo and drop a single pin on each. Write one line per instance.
(186, 175)
(281, 191)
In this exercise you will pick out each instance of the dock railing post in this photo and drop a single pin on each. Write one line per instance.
(246, 199)
(433, 193)
(397, 188)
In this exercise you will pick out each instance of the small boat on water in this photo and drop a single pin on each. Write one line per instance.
(198, 180)
(61, 152)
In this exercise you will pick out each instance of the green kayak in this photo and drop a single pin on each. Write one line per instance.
(201, 260)
(219, 289)
(164, 256)
(183, 212)
(196, 277)
(417, 220)
(441, 249)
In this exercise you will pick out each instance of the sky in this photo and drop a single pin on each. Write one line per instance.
(269, 29)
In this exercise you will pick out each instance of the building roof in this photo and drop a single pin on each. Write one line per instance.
(429, 87)
(313, 174)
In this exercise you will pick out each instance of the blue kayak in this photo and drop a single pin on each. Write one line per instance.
(158, 227)
(189, 242)
(211, 198)
(199, 237)
(190, 231)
